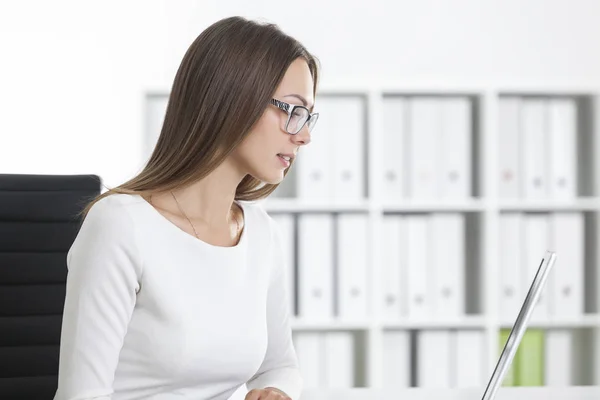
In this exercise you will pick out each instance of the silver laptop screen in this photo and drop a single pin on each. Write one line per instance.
(520, 325)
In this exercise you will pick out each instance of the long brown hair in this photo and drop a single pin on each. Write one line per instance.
(222, 87)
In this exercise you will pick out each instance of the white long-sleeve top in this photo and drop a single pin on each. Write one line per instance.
(152, 312)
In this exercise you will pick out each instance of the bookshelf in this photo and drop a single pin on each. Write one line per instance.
(481, 203)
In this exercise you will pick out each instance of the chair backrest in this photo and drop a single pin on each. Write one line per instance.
(38, 224)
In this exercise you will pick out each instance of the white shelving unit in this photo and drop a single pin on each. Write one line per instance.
(485, 207)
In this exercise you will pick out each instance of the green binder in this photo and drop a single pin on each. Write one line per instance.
(510, 378)
(531, 359)
(527, 367)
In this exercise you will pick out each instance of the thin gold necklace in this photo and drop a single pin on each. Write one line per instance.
(237, 223)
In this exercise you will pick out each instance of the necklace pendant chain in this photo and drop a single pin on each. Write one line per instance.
(237, 223)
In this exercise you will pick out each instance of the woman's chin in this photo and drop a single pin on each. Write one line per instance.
(273, 178)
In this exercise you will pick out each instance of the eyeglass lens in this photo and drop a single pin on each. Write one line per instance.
(298, 119)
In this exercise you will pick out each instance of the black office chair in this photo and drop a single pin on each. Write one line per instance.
(38, 224)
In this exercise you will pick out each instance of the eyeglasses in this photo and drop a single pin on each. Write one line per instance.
(297, 116)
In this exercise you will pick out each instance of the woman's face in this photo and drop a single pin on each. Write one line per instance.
(262, 154)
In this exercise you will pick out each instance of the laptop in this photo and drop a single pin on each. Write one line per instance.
(520, 326)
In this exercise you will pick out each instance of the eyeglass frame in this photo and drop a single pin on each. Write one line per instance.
(289, 109)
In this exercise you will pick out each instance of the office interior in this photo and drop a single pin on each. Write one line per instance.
(457, 142)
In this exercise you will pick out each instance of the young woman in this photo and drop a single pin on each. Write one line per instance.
(176, 286)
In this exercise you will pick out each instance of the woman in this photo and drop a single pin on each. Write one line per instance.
(175, 284)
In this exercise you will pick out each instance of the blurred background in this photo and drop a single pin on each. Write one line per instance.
(74, 74)
(457, 142)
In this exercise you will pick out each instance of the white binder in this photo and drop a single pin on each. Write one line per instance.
(393, 298)
(455, 148)
(534, 156)
(470, 367)
(347, 150)
(509, 148)
(352, 261)
(419, 289)
(536, 237)
(393, 148)
(423, 148)
(558, 357)
(434, 359)
(156, 107)
(562, 131)
(286, 227)
(315, 266)
(339, 365)
(511, 289)
(396, 359)
(566, 284)
(448, 264)
(315, 164)
(310, 352)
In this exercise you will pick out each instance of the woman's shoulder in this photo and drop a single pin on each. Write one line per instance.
(261, 220)
(106, 231)
(114, 209)
(256, 211)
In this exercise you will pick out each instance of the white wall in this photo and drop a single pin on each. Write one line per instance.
(73, 73)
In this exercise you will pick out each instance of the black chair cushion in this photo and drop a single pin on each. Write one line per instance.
(38, 223)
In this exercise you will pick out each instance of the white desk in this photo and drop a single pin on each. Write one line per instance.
(504, 393)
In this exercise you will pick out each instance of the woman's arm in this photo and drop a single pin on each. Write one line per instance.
(280, 368)
(103, 279)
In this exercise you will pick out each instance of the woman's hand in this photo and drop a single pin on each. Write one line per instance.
(268, 393)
